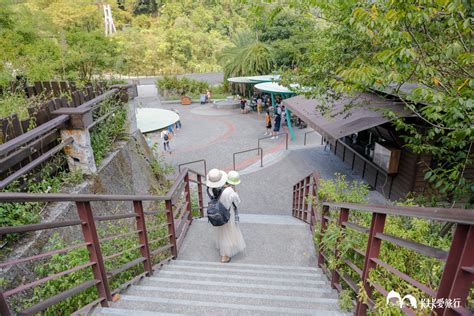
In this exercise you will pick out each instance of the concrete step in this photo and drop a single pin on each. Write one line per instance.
(241, 287)
(289, 300)
(233, 270)
(195, 307)
(280, 280)
(262, 267)
(128, 312)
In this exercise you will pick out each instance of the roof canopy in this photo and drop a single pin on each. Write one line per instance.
(149, 119)
(254, 79)
(366, 114)
(240, 80)
(273, 88)
(266, 78)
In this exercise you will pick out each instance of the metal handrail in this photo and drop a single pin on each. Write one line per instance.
(87, 222)
(266, 137)
(308, 132)
(191, 162)
(455, 215)
(367, 161)
(259, 149)
(454, 283)
(65, 197)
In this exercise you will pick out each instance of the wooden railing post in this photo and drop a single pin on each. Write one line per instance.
(301, 201)
(372, 251)
(458, 273)
(143, 236)
(343, 217)
(293, 208)
(4, 310)
(314, 194)
(200, 196)
(95, 255)
(187, 194)
(305, 198)
(171, 229)
(324, 212)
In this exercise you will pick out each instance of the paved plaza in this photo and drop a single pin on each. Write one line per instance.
(272, 235)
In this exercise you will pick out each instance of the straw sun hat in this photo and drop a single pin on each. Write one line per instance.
(216, 178)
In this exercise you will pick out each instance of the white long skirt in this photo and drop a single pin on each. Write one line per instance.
(229, 238)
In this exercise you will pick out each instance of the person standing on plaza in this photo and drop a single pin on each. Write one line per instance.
(268, 122)
(243, 102)
(208, 96)
(229, 237)
(259, 105)
(177, 125)
(166, 137)
(276, 127)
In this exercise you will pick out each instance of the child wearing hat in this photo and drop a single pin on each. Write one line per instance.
(229, 237)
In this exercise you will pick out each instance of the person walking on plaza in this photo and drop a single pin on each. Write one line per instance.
(177, 125)
(166, 137)
(229, 237)
(276, 127)
(243, 102)
(268, 122)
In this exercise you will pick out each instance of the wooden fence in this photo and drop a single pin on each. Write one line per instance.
(27, 144)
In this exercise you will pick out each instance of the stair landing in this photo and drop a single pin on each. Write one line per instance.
(270, 239)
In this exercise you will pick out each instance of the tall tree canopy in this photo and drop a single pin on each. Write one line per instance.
(247, 56)
(385, 44)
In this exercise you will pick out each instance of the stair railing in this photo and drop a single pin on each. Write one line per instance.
(259, 152)
(153, 253)
(305, 197)
(457, 277)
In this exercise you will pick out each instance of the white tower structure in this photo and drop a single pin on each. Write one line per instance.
(108, 21)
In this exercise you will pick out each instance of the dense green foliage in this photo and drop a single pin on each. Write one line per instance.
(247, 56)
(384, 44)
(422, 268)
(48, 39)
(61, 262)
(15, 214)
(111, 129)
(181, 86)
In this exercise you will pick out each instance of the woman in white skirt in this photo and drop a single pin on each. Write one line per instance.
(229, 237)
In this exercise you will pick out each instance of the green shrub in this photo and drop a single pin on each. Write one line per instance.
(104, 134)
(422, 268)
(15, 214)
(61, 262)
(181, 86)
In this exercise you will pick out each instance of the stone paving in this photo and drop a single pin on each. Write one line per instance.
(272, 235)
(215, 135)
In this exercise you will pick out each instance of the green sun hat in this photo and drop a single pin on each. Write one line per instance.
(233, 177)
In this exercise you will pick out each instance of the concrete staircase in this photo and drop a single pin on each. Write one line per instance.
(211, 288)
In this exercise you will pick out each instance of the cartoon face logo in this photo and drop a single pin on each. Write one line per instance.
(401, 301)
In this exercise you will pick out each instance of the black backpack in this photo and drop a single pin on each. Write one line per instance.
(217, 213)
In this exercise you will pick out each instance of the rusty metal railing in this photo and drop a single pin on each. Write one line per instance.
(457, 277)
(178, 218)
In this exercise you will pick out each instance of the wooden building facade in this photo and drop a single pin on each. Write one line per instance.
(365, 139)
